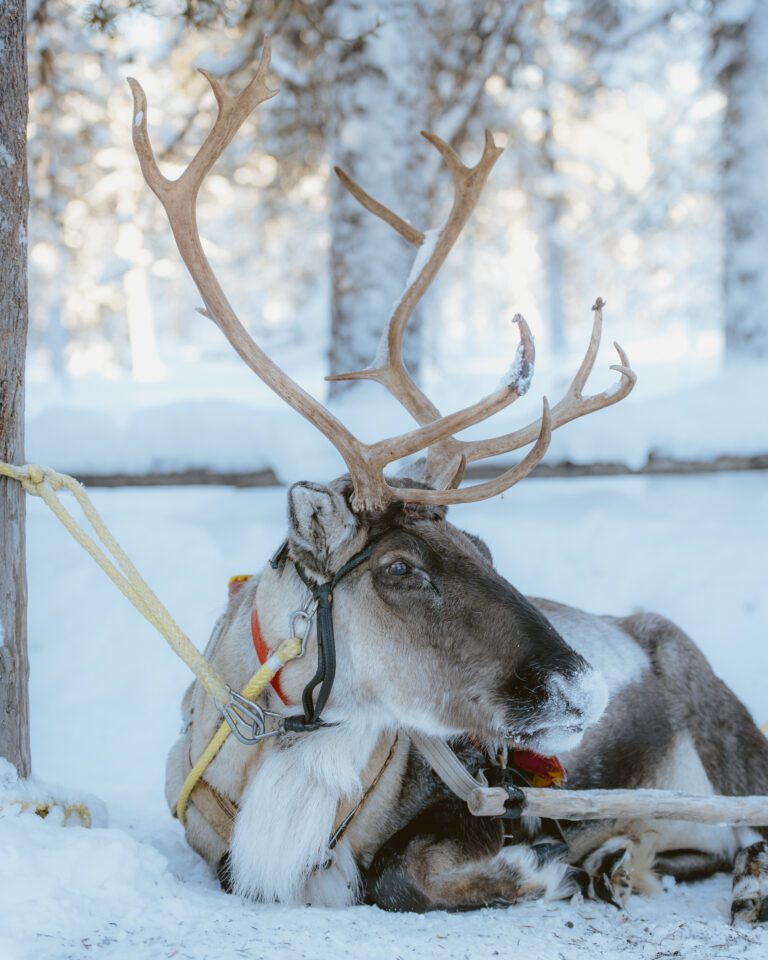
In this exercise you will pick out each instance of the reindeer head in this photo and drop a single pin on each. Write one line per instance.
(430, 633)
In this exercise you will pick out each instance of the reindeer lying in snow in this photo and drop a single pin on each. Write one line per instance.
(430, 637)
(424, 635)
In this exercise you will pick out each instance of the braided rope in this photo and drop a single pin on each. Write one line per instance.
(288, 650)
(45, 483)
(43, 809)
(109, 555)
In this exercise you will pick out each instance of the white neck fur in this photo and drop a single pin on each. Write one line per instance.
(287, 815)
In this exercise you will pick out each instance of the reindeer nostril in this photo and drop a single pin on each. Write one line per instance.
(578, 699)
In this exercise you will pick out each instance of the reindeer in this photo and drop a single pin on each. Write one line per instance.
(425, 636)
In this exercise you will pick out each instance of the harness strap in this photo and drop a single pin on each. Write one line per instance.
(482, 800)
(326, 644)
(346, 821)
(219, 811)
(326, 657)
(262, 652)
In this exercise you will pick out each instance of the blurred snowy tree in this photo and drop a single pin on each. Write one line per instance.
(379, 104)
(736, 61)
(608, 184)
(740, 62)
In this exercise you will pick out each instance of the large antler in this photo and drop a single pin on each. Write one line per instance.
(447, 459)
(365, 462)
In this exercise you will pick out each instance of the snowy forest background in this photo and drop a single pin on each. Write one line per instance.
(636, 138)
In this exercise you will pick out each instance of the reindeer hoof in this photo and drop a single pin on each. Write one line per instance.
(610, 872)
(750, 884)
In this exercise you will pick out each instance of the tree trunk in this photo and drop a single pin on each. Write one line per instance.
(380, 106)
(553, 255)
(551, 206)
(14, 200)
(745, 185)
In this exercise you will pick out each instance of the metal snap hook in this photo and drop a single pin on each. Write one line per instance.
(247, 720)
(300, 622)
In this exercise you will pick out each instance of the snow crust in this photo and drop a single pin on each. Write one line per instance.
(105, 893)
(105, 695)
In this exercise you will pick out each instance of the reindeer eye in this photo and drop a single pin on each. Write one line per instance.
(398, 569)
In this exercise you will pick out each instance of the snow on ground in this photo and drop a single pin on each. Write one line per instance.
(105, 708)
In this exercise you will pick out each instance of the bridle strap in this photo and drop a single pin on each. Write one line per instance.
(326, 657)
(326, 644)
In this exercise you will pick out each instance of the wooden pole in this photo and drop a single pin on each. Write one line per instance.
(645, 805)
(14, 203)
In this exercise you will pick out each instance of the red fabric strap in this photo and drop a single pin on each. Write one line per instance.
(543, 771)
(262, 652)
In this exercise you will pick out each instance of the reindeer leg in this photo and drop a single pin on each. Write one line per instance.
(750, 884)
(610, 869)
(447, 859)
(687, 865)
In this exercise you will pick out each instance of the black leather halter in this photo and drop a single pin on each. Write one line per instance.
(326, 643)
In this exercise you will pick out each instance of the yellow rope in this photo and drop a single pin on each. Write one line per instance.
(288, 650)
(109, 555)
(45, 483)
(43, 809)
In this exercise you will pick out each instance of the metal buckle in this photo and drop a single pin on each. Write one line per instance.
(247, 720)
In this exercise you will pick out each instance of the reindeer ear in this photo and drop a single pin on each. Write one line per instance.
(319, 523)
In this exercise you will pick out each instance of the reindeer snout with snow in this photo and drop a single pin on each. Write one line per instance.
(410, 631)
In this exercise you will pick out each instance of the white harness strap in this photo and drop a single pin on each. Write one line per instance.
(482, 800)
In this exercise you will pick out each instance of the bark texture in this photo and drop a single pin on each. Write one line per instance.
(380, 106)
(645, 805)
(745, 185)
(14, 665)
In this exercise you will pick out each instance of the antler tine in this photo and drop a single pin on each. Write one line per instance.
(572, 406)
(407, 232)
(490, 488)
(141, 142)
(514, 386)
(587, 364)
(468, 184)
(232, 112)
